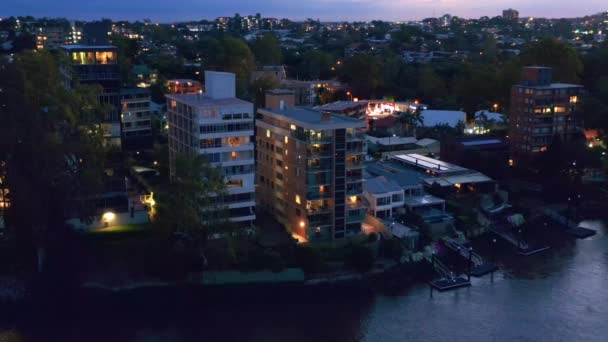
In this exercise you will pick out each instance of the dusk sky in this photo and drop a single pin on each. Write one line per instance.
(327, 10)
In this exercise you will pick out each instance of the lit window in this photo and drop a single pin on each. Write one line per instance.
(559, 109)
(286, 139)
(267, 133)
(298, 201)
(293, 127)
(573, 99)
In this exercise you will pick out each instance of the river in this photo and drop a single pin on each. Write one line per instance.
(558, 295)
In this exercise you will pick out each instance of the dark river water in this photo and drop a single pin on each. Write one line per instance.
(558, 295)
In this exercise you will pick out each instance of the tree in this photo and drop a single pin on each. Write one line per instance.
(392, 248)
(259, 88)
(52, 149)
(267, 50)
(430, 84)
(233, 55)
(190, 207)
(362, 72)
(566, 64)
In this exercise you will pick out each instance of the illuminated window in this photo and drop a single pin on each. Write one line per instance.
(286, 139)
(573, 99)
(298, 201)
(234, 183)
(233, 154)
(559, 109)
(267, 133)
(293, 127)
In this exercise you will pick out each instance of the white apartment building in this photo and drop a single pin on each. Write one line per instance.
(384, 197)
(219, 126)
(135, 117)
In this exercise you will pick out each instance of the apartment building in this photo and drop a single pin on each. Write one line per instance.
(310, 171)
(136, 118)
(98, 65)
(219, 126)
(541, 110)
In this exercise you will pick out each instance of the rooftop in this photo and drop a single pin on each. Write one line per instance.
(387, 141)
(380, 185)
(551, 86)
(79, 47)
(428, 163)
(402, 176)
(313, 119)
(482, 142)
(202, 100)
(341, 105)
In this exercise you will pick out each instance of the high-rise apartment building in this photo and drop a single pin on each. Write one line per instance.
(98, 65)
(219, 126)
(541, 110)
(310, 171)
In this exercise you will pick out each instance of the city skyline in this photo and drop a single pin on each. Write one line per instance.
(325, 10)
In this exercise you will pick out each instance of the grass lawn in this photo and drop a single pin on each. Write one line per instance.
(124, 232)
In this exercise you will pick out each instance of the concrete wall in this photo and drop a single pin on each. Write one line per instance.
(220, 85)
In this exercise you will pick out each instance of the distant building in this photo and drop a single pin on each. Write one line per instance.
(183, 86)
(98, 65)
(97, 32)
(136, 118)
(541, 110)
(307, 92)
(309, 171)
(510, 15)
(51, 38)
(144, 76)
(218, 126)
(276, 73)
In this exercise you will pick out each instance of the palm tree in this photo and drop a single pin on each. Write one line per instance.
(410, 121)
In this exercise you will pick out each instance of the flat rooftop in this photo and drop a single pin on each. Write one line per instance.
(202, 100)
(341, 105)
(78, 47)
(402, 176)
(482, 142)
(380, 185)
(313, 118)
(428, 163)
(551, 86)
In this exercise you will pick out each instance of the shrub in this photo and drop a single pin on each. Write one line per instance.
(309, 259)
(361, 258)
(392, 248)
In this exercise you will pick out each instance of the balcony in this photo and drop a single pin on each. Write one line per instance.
(319, 165)
(355, 216)
(313, 193)
(311, 139)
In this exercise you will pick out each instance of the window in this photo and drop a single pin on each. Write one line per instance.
(279, 176)
(397, 198)
(292, 127)
(279, 163)
(286, 139)
(383, 201)
(298, 212)
(279, 150)
(234, 183)
(298, 201)
(267, 133)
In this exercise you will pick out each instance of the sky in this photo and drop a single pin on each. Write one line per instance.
(325, 10)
